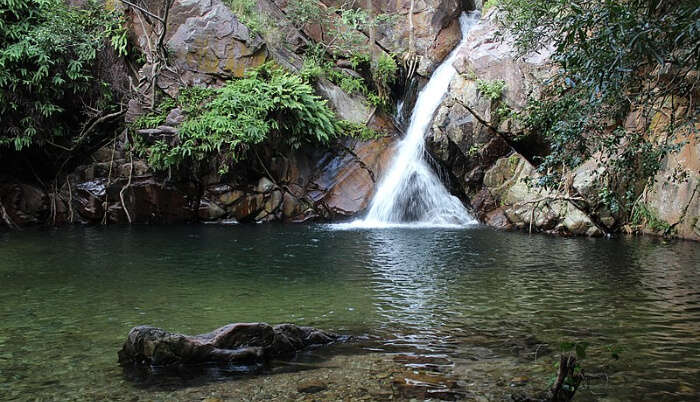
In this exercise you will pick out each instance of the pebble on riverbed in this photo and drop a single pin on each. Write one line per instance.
(311, 387)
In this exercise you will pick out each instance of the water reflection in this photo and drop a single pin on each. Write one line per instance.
(410, 279)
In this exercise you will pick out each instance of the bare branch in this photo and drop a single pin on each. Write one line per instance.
(143, 10)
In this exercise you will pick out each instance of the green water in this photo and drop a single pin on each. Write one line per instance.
(69, 296)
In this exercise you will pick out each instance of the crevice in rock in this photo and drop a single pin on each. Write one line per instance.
(359, 161)
(685, 209)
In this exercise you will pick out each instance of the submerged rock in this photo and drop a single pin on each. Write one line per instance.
(242, 343)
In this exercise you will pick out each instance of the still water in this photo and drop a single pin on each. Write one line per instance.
(69, 296)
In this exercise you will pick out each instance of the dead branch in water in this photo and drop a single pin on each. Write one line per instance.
(131, 174)
(6, 217)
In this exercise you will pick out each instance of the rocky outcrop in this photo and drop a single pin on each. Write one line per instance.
(435, 30)
(307, 184)
(489, 165)
(474, 142)
(508, 194)
(22, 204)
(245, 344)
(207, 44)
(672, 200)
(491, 162)
(302, 186)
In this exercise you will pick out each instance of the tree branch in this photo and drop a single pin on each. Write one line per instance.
(143, 10)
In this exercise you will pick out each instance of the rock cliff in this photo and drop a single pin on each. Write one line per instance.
(207, 45)
(493, 167)
(474, 137)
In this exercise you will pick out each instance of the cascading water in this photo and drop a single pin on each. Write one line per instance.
(410, 192)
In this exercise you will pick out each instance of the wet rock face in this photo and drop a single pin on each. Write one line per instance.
(302, 186)
(245, 343)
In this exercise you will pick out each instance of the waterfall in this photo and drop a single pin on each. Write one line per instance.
(410, 193)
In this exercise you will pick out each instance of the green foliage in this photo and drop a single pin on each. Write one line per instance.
(357, 130)
(491, 89)
(358, 59)
(504, 112)
(311, 71)
(47, 56)
(248, 14)
(267, 105)
(341, 26)
(151, 119)
(384, 70)
(344, 29)
(304, 12)
(489, 4)
(191, 102)
(352, 85)
(578, 347)
(641, 215)
(382, 102)
(612, 56)
(471, 75)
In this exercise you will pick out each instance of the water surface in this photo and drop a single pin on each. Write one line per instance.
(69, 296)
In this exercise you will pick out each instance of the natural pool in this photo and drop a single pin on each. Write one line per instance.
(472, 298)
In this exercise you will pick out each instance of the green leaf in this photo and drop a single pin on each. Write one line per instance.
(567, 346)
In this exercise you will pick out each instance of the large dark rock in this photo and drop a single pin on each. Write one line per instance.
(243, 343)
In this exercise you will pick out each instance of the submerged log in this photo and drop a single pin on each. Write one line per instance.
(246, 343)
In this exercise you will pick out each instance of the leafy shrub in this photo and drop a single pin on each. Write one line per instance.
(641, 215)
(358, 59)
(384, 71)
(357, 130)
(47, 54)
(247, 13)
(268, 105)
(311, 70)
(491, 89)
(352, 85)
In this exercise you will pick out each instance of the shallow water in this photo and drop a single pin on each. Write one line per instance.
(69, 296)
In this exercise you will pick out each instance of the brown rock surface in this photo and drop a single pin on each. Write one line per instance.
(234, 343)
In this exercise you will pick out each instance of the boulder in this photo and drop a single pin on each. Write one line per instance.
(489, 57)
(527, 206)
(207, 43)
(242, 343)
(436, 29)
(23, 204)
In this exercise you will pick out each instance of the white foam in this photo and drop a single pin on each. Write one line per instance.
(411, 194)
